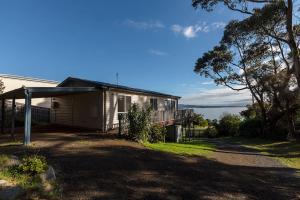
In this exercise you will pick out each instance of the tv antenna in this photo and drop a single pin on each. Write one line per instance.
(117, 77)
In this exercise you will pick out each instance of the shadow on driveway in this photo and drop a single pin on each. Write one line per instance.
(90, 166)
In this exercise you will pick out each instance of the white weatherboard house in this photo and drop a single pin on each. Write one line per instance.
(12, 82)
(92, 104)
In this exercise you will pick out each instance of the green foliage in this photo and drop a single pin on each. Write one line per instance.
(250, 127)
(211, 132)
(3, 159)
(33, 164)
(138, 122)
(213, 122)
(26, 175)
(229, 125)
(157, 133)
(199, 120)
(258, 53)
(252, 111)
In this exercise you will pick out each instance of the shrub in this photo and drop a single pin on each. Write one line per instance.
(157, 133)
(3, 159)
(199, 120)
(250, 127)
(229, 125)
(33, 164)
(211, 132)
(138, 122)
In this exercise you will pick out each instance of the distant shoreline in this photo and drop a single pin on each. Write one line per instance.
(216, 106)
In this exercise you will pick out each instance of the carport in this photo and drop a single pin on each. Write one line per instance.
(28, 93)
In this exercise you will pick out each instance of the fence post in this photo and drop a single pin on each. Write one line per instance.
(13, 117)
(120, 118)
(27, 120)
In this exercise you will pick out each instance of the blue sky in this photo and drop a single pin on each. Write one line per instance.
(151, 44)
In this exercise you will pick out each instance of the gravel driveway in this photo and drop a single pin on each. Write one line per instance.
(93, 167)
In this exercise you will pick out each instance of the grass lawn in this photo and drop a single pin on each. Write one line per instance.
(198, 147)
(286, 152)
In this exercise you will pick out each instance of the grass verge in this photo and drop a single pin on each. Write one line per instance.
(287, 152)
(198, 147)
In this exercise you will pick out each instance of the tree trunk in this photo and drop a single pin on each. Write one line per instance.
(292, 42)
(264, 121)
(291, 122)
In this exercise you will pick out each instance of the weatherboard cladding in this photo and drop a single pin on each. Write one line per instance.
(71, 81)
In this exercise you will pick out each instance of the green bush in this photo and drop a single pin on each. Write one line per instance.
(138, 122)
(157, 133)
(250, 127)
(33, 164)
(3, 159)
(211, 132)
(199, 120)
(229, 125)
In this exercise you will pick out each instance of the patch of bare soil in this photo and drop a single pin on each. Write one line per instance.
(91, 166)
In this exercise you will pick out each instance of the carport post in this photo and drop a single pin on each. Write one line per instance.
(27, 130)
(2, 115)
(13, 116)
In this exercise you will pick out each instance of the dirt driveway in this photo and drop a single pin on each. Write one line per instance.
(93, 167)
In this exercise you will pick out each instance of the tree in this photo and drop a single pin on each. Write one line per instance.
(229, 124)
(198, 119)
(261, 13)
(248, 59)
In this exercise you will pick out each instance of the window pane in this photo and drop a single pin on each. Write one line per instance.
(128, 103)
(167, 105)
(173, 105)
(153, 103)
(121, 103)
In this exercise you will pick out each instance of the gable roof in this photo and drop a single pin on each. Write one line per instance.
(104, 85)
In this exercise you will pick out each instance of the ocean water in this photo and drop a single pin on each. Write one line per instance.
(215, 113)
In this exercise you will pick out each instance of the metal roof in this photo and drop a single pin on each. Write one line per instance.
(41, 92)
(28, 78)
(115, 86)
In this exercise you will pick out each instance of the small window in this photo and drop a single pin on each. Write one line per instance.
(153, 103)
(128, 103)
(124, 103)
(121, 103)
(173, 105)
(167, 105)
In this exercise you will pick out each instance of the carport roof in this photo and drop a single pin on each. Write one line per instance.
(41, 92)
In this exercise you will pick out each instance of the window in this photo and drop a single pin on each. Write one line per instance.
(124, 103)
(128, 103)
(153, 103)
(173, 105)
(121, 103)
(167, 105)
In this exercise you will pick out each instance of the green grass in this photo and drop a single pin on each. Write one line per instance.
(199, 148)
(288, 153)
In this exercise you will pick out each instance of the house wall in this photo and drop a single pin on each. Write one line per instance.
(142, 100)
(12, 82)
(80, 110)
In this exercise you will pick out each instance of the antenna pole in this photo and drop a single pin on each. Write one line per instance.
(117, 76)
